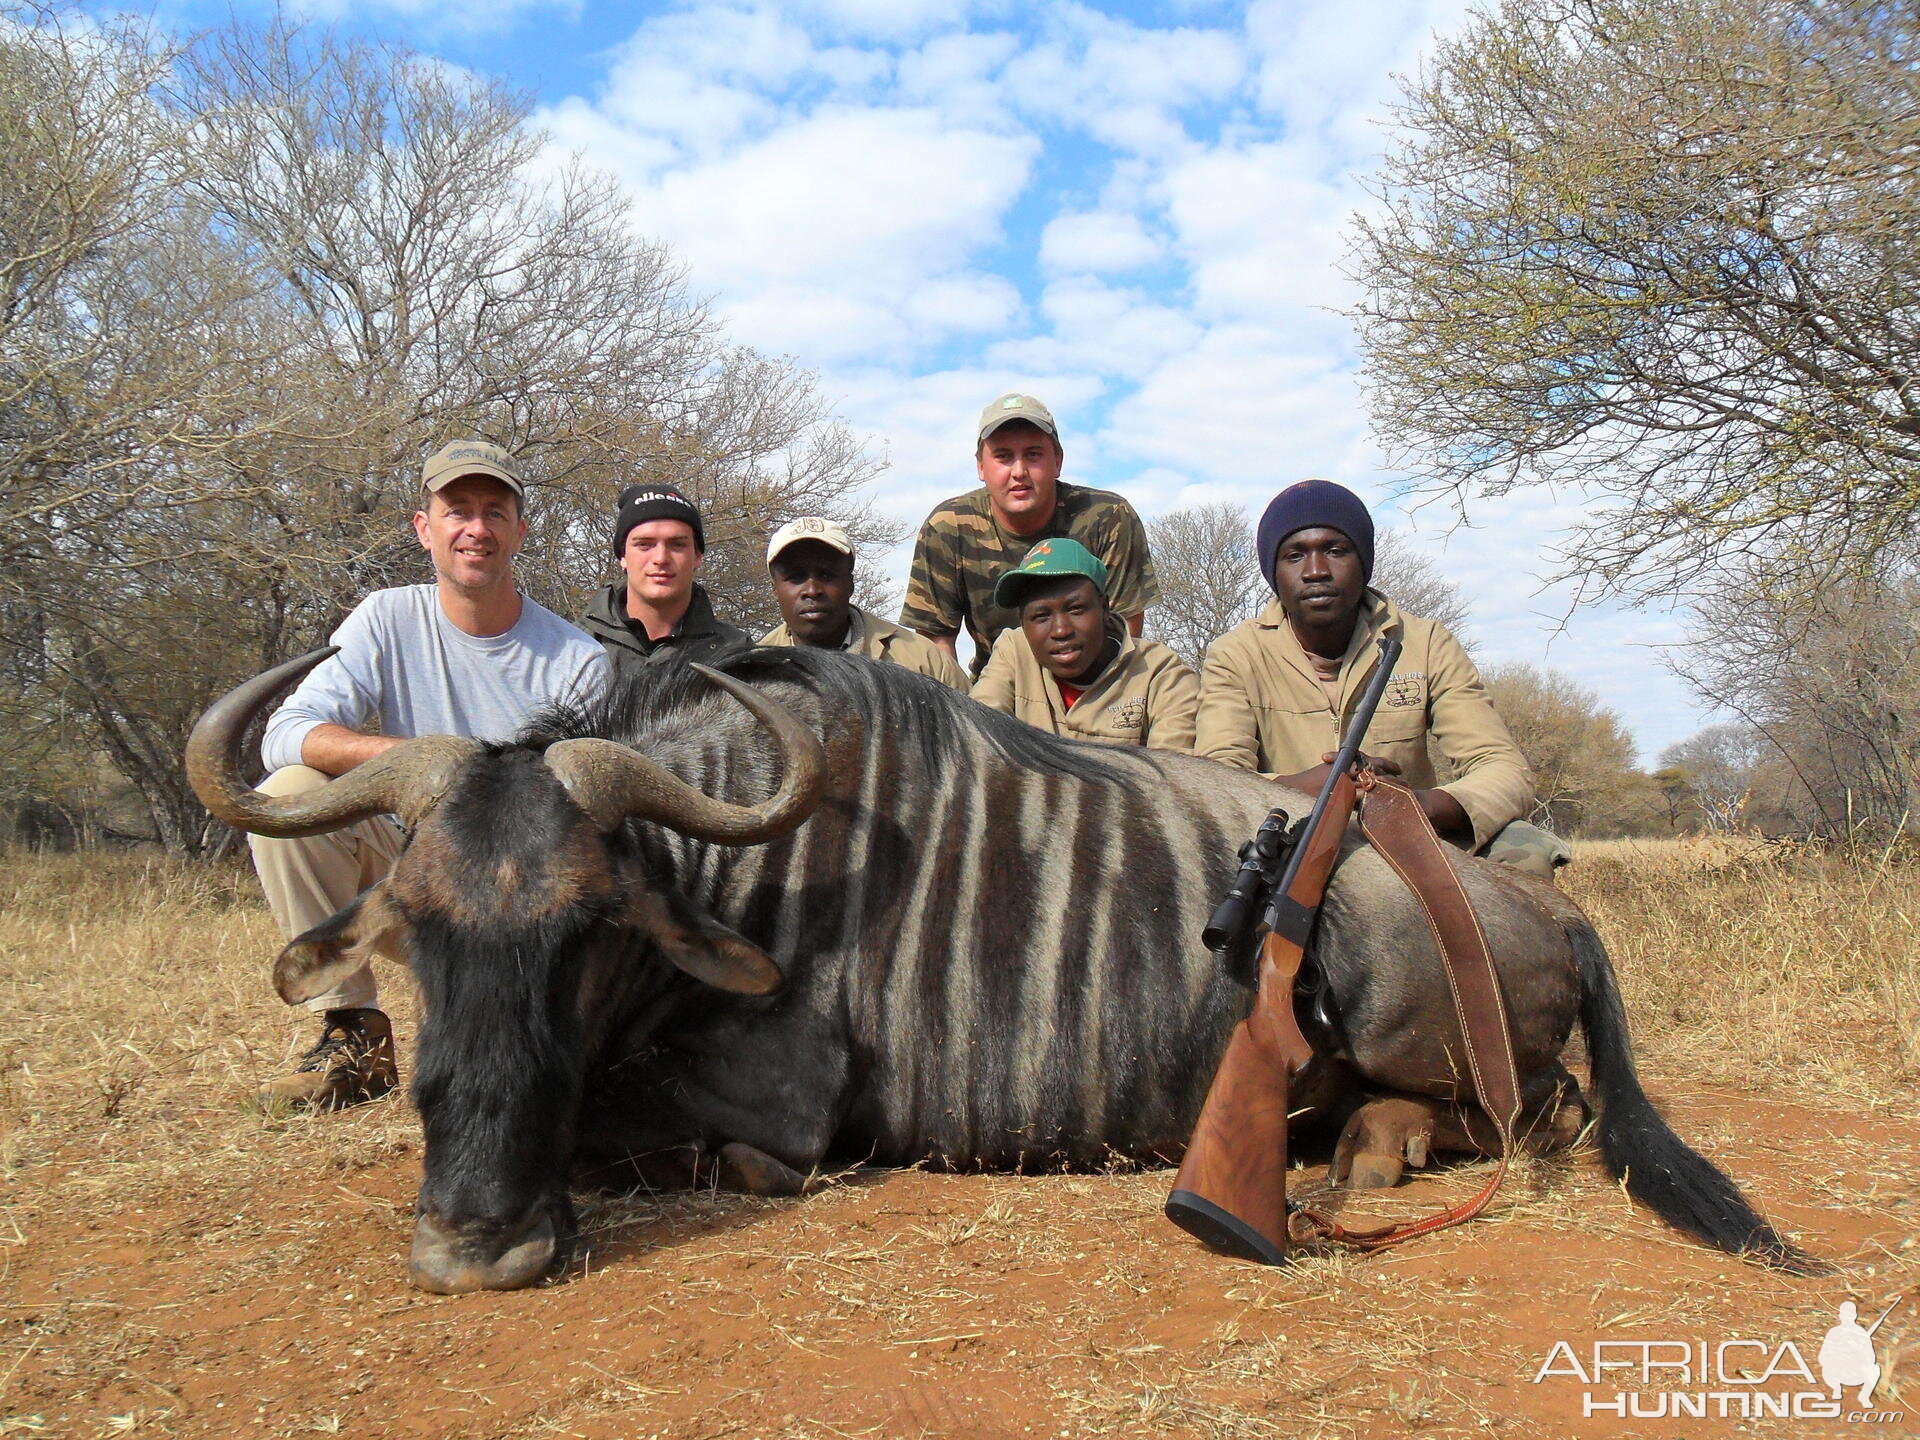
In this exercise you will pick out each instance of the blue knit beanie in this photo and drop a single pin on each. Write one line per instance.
(1306, 505)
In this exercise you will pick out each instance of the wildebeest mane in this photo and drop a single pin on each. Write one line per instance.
(648, 705)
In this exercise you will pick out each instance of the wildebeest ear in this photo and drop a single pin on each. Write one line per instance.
(315, 962)
(700, 945)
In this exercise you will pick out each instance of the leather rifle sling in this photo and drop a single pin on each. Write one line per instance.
(1396, 827)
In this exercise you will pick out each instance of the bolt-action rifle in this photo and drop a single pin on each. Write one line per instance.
(1232, 1189)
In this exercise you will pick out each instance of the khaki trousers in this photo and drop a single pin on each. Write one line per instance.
(308, 880)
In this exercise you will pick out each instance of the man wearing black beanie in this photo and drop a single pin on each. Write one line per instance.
(658, 608)
(1278, 689)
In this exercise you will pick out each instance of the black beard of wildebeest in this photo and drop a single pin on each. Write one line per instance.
(988, 938)
(498, 1073)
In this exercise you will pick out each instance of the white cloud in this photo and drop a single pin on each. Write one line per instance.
(1241, 407)
(842, 233)
(1125, 85)
(887, 19)
(846, 196)
(959, 75)
(434, 17)
(963, 303)
(1098, 328)
(704, 79)
(1101, 242)
(1326, 71)
(853, 181)
(578, 127)
(1263, 237)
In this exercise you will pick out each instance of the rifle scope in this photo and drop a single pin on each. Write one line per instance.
(1259, 863)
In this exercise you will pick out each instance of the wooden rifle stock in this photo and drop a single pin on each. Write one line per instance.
(1231, 1192)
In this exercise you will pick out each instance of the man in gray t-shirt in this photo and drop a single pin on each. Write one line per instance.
(467, 655)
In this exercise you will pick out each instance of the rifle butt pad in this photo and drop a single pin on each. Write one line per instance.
(1218, 1230)
(1231, 1192)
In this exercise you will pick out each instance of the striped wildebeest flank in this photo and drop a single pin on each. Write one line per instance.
(733, 922)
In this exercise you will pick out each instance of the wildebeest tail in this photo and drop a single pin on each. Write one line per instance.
(1659, 1168)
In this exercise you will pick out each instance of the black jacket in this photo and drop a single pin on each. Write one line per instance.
(700, 635)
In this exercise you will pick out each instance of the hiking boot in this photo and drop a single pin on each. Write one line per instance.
(352, 1063)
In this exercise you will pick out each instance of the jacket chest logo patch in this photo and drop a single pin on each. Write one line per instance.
(1130, 714)
(1405, 690)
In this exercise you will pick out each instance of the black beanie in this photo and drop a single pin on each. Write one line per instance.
(641, 503)
(1309, 504)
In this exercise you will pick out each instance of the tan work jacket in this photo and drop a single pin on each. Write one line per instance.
(1263, 708)
(879, 639)
(1147, 696)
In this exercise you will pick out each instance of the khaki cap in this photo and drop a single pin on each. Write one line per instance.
(1015, 406)
(809, 527)
(469, 457)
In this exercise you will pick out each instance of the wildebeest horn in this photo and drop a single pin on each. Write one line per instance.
(405, 781)
(613, 782)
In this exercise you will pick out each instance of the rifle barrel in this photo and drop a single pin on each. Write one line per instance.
(1884, 1313)
(1343, 761)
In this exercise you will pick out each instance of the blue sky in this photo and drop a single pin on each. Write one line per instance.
(1137, 212)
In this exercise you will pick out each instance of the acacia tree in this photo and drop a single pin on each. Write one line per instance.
(249, 286)
(451, 277)
(1827, 671)
(137, 349)
(1668, 249)
(1414, 582)
(1581, 754)
(1719, 768)
(1209, 576)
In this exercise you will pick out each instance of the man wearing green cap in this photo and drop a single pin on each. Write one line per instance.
(1071, 667)
(970, 541)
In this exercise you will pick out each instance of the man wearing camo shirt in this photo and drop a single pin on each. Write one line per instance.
(970, 541)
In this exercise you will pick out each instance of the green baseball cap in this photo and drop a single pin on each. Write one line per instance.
(1013, 406)
(1048, 559)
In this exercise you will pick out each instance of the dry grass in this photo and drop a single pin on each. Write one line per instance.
(1752, 964)
(172, 1263)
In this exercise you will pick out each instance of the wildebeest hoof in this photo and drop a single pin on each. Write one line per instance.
(1380, 1140)
(1568, 1123)
(754, 1172)
(458, 1260)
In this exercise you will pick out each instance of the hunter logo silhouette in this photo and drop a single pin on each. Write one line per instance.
(1846, 1355)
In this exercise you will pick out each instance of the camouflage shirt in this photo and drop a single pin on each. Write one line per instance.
(963, 550)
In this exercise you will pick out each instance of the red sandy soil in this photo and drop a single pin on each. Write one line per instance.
(249, 1291)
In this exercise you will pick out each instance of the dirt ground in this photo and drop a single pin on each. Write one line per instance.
(174, 1264)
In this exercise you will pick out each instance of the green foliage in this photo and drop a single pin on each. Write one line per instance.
(1581, 754)
(1667, 249)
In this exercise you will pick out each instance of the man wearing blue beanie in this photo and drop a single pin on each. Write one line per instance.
(1277, 690)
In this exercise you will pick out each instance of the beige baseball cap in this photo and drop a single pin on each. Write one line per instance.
(1014, 406)
(469, 457)
(809, 527)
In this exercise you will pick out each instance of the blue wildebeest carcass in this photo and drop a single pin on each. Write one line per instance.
(816, 904)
